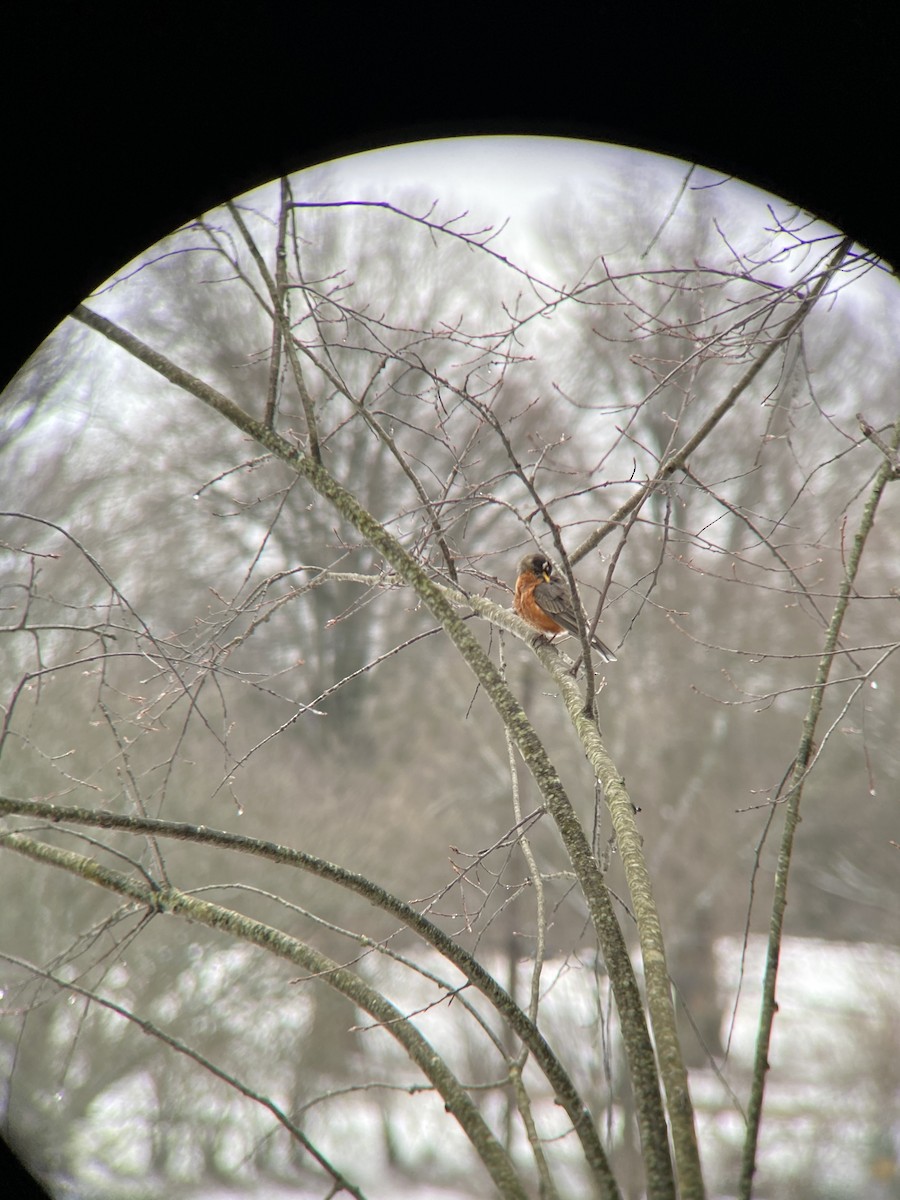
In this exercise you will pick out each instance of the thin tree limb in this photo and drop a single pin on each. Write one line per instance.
(176, 1044)
(675, 461)
(287, 335)
(791, 803)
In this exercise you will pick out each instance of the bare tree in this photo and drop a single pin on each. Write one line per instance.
(265, 689)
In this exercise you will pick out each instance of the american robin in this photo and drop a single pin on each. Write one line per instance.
(543, 600)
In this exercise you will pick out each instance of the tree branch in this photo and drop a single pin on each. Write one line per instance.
(170, 900)
(232, 1081)
(791, 801)
(564, 1089)
(675, 461)
(651, 1119)
(656, 974)
(287, 335)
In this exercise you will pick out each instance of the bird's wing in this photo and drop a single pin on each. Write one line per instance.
(555, 600)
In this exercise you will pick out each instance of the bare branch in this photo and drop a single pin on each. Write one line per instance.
(793, 794)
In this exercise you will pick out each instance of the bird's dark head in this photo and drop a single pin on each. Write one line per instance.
(536, 564)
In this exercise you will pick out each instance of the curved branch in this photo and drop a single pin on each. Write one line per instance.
(171, 900)
(564, 1089)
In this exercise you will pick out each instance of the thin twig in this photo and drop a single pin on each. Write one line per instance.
(679, 458)
(176, 1044)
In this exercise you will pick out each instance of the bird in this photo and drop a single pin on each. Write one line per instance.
(544, 601)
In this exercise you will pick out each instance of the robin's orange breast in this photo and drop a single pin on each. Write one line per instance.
(528, 608)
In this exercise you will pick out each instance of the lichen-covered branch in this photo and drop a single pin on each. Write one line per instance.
(171, 900)
(564, 1089)
(656, 974)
